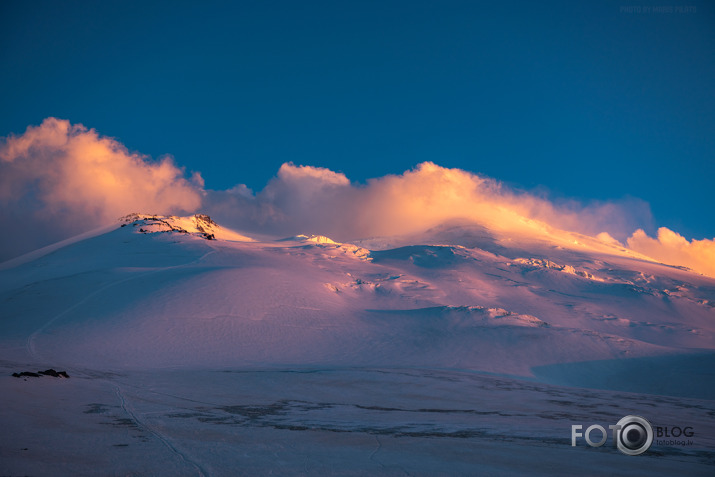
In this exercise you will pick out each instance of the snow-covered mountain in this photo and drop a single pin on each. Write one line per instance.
(464, 349)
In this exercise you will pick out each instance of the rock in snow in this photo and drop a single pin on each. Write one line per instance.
(197, 350)
(48, 372)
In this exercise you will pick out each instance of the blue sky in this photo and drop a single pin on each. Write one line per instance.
(583, 100)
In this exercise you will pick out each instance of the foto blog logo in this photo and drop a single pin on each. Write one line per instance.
(632, 435)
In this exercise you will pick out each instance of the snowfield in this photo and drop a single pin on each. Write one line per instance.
(196, 350)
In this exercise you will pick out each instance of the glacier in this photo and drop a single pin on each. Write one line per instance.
(193, 349)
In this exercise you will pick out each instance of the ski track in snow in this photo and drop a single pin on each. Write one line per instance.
(423, 303)
(128, 409)
(125, 405)
(374, 453)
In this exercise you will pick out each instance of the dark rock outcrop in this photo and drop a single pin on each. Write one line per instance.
(47, 372)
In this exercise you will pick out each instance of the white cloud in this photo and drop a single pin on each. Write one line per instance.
(674, 249)
(58, 179)
(303, 199)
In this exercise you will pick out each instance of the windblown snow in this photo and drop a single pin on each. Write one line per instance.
(195, 349)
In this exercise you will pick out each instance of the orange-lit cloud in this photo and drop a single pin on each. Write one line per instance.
(674, 249)
(304, 199)
(59, 179)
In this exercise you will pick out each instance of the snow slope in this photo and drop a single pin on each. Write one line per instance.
(319, 332)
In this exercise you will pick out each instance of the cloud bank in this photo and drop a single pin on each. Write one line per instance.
(674, 249)
(309, 199)
(59, 180)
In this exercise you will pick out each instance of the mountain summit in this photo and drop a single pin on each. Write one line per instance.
(183, 291)
(174, 325)
(196, 224)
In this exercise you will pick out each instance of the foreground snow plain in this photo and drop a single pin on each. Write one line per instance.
(461, 351)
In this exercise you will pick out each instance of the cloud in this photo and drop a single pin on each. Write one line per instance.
(59, 179)
(672, 248)
(305, 199)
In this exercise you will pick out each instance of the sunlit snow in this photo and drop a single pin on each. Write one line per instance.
(193, 349)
